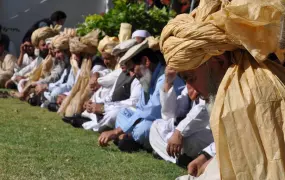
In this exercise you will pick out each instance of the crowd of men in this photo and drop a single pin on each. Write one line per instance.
(142, 94)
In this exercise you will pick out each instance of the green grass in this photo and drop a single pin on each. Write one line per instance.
(37, 144)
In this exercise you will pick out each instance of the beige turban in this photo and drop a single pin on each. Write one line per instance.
(107, 44)
(60, 42)
(190, 40)
(125, 32)
(87, 44)
(248, 116)
(44, 33)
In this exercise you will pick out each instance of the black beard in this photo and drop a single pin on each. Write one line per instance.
(44, 53)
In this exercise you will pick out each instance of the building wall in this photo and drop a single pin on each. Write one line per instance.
(17, 16)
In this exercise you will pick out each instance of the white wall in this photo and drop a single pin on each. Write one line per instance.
(38, 9)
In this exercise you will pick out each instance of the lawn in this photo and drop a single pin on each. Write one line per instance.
(37, 144)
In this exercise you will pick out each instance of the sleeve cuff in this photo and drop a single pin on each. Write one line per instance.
(211, 149)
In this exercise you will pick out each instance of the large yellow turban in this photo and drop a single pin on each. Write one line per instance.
(189, 40)
(248, 116)
(87, 44)
(107, 44)
(44, 33)
(60, 42)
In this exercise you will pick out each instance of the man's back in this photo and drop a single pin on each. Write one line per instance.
(35, 26)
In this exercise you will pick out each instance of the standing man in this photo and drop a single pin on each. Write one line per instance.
(57, 18)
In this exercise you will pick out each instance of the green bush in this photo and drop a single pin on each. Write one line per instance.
(152, 20)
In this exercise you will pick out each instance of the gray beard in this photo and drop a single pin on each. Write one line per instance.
(145, 80)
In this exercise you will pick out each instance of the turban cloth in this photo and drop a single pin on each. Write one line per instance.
(60, 42)
(248, 116)
(44, 33)
(125, 32)
(107, 44)
(86, 44)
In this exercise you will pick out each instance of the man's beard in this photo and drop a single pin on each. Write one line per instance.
(210, 104)
(44, 53)
(145, 79)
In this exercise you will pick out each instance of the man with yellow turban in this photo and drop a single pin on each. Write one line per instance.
(248, 113)
(105, 78)
(7, 64)
(40, 40)
(60, 45)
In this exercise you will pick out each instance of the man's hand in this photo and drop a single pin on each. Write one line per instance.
(197, 166)
(40, 88)
(89, 107)
(86, 103)
(60, 99)
(170, 75)
(22, 49)
(98, 109)
(19, 78)
(108, 136)
(174, 145)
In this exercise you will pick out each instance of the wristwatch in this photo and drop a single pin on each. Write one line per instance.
(208, 156)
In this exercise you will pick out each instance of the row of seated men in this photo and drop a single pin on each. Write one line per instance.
(127, 94)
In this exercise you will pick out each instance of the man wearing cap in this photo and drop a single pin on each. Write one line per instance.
(7, 64)
(133, 124)
(175, 138)
(140, 35)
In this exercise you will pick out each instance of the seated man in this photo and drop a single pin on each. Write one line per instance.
(27, 54)
(73, 104)
(60, 44)
(40, 40)
(26, 58)
(7, 64)
(64, 84)
(124, 93)
(192, 133)
(133, 124)
(103, 111)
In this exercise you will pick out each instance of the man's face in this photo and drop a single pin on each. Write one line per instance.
(61, 22)
(43, 49)
(29, 48)
(109, 60)
(206, 79)
(59, 54)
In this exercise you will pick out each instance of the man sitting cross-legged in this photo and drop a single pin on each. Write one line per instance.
(133, 124)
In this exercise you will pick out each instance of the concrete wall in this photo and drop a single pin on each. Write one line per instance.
(19, 15)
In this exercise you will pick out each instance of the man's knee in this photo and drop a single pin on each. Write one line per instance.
(141, 132)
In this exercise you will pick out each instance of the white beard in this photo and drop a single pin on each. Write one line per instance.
(211, 103)
(146, 79)
(37, 52)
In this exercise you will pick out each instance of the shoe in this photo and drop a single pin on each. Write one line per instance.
(156, 155)
(128, 144)
(53, 107)
(184, 160)
(77, 121)
(67, 120)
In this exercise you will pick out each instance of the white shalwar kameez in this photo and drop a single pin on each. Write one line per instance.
(111, 108)
(194, 127)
